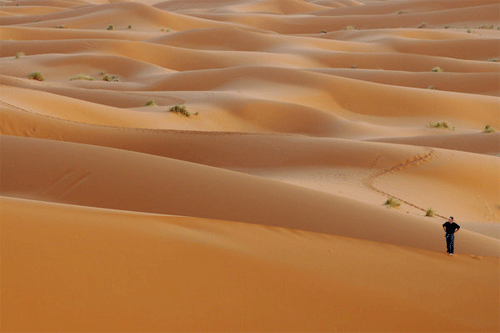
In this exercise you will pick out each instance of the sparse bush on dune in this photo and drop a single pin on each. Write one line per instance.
(488, 129)
(391, 202)
(111, 27)
(322, 32)
(36, 76)
(485, 26)
(422, 25)
(19, 55)
(82, 77)
(494, 59)
(440, 124)
(129, 27)
(349, 27)
(151, 102)
(430, 212)
(180, 109)
(60, 26)
(437, 70)
(110, 78)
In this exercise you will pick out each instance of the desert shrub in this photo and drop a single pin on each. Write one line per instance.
(354, 66)
(36, 76)
(485, 26)
(60, 26)
(391, 202)
(151, 102)
(349, 27)
(19, 55)
(422, 25)
(82, 77)
(180, 109)
(488, 129)
(165, 30)
(437, 69)
(400, 12)
(430, 212)
(494, 59)
(430, 87)
(111, 27)
(469, 31)
(110, 78)
(322, 32)
(447, 27)
(129, 27)
(439, 124)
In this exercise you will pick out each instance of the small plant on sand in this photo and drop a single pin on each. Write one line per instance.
(349, 27)
(354, 66)
(82, 77)
(151, 102)
(485, 26)
(430, 212)
(422, 25)
(469, 31)
(180, 109)
(391, 202)
(447, 27)
(110, 78)
(494, 59)
(111, 27)
(430, 87)
(400, 12)
(439, 124)
(36, 76)
(437, 70)
(322, 32)
(165, 30)
(19, 55)
(488, 129)
(60, 26)
(129, 27)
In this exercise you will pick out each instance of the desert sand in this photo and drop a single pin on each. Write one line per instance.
(263, 209)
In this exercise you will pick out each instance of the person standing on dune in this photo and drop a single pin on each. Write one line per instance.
(451, 228)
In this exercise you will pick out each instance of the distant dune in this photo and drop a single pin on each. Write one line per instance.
(261, 208)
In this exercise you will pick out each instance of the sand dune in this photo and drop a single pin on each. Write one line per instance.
(264, 209)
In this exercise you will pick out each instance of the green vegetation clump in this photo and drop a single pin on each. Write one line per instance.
(391, 202)
(19, 55)
(488, 129)
(111, 27)
(485, 26)
(422, 25)
(322, 32)
(400, 12)
(494, 59)
(129, 27)
(36, 76)
(349, 27)
(151, 102)
(110, 78)
(180, 109)
(430, 87)
(439, 124)
(437, 69)
(430, 212)
(61, 26)
(82, 77)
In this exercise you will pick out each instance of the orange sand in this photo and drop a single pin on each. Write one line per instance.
(263, 210)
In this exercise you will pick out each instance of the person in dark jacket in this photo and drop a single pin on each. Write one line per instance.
(451, 228)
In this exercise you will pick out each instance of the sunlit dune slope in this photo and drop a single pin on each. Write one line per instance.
(137, 272)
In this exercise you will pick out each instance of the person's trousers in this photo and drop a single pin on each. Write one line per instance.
(450, 243)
